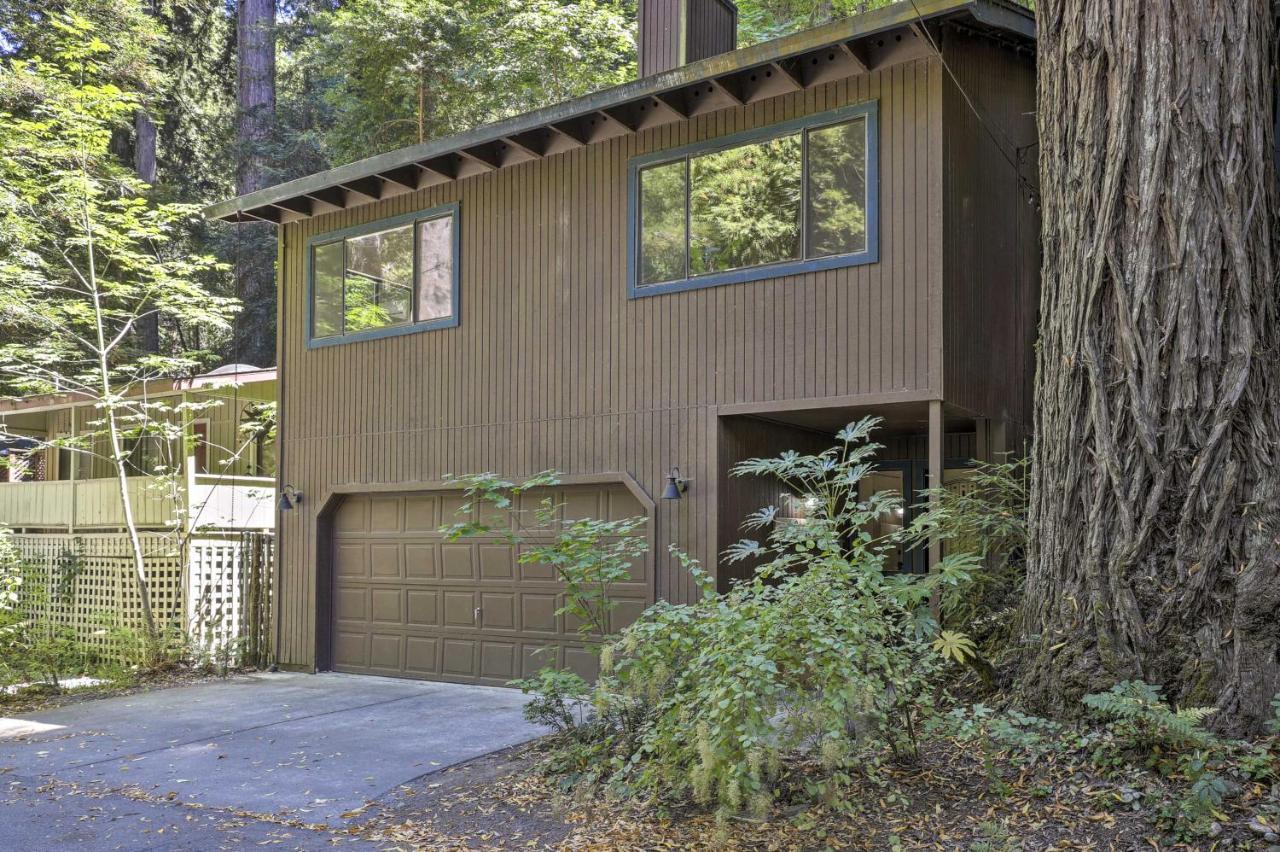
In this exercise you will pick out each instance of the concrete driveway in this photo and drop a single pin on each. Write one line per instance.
(188, 767)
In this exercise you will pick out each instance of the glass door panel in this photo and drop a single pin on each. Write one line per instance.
(891, 479)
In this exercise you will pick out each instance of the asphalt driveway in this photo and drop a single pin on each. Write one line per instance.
(198, 767)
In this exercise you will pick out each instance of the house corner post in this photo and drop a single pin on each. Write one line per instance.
(935, 481)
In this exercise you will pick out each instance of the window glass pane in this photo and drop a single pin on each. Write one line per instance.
(662, 223)
(435, 268)
(326, 290)
(745, 206)
(379, 280)
(890, 523)
(838, 189)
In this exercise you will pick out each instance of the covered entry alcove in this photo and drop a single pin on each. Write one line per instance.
(923, 440)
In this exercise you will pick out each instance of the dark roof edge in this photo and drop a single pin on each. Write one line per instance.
(999, 14)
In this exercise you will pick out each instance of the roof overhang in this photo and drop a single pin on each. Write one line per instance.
(156, 389)
(834, 51)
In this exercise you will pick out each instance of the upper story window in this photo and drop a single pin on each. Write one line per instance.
(393, 276)
(784, 199)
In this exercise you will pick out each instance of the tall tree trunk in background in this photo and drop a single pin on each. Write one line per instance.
(144, 164)
(144, 147)
(255, 270)
(1157, 471)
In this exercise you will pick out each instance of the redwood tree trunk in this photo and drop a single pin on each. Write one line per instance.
(144, 164)
(256, 98)
(1156, 470)
(144, 147)
(255, 271)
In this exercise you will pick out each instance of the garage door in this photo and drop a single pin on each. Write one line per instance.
(409, 603)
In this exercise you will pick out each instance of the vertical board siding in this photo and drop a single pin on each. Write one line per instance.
(992, 232)
(553, 367)
(710, 29)
(659, 35)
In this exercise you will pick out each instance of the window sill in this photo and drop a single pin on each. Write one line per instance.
(379, 333)
(755, 273)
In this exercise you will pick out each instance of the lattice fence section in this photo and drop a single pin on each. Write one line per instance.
(229, 597)
(86, 583)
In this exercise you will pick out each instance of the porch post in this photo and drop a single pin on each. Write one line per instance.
(999, 440)
(991, 440)
(935, 475)
(74, 458)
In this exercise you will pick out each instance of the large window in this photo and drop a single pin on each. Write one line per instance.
(785, 199)
(390, 277)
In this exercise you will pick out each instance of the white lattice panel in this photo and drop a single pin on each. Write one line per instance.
(87, 583)
(218, 592)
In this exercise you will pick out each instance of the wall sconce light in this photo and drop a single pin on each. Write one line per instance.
(289, 497)
(676, 485)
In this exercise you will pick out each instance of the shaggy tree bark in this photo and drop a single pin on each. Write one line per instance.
(144, 165)
(144, 147)
(1154, 498)
(255, 273)
(256, 81)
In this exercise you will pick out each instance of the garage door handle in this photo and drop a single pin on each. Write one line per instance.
(477, 613)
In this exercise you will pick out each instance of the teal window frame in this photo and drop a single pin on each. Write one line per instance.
(871, 254)
(440, 211)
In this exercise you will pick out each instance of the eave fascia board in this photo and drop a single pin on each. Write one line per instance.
(154, 389)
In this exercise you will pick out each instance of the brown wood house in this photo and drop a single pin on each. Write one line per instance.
(734, 255)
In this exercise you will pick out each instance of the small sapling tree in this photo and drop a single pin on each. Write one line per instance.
(87, 259)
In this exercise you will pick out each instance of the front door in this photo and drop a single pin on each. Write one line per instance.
(893, 477)
(909, 479)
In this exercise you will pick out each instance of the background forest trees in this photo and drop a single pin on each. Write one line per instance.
(235, 96)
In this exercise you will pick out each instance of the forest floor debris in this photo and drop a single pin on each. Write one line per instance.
(944, 802)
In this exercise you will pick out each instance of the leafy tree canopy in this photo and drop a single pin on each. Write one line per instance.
(404, 71)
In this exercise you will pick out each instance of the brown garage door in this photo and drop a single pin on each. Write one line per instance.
(408, 603)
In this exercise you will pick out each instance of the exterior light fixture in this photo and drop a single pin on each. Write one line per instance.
(289, 497)
(676, 485)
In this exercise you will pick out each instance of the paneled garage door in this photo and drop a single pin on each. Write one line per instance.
(409, 603)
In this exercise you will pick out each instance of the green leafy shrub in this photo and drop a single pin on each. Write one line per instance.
(1139, 721)
(984, 515)
(560, 699)
(823, 660)
(168, 648)
(1189, 807)
(10, 571)
(38, 650)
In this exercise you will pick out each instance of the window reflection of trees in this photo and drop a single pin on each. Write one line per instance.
(326, 286)
(744, 206)
(379, 279)
(368, 281)
(435, 277)
(662, 211)
(801, 195)
(837, 214)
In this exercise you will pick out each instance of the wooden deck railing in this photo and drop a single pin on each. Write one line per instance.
(236, 502)
(232, 502)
